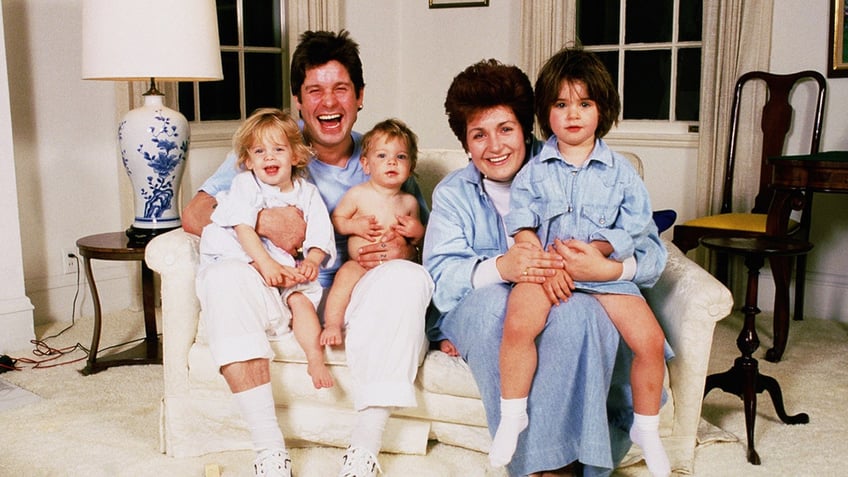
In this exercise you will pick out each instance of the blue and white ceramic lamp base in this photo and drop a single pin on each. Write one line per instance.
(154, 141)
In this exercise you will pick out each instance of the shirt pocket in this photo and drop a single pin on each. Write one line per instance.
(599, 216)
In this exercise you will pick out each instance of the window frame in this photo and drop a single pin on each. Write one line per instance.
(219, 133)
(649, 132)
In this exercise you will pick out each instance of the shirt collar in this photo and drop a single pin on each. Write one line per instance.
(600, 153)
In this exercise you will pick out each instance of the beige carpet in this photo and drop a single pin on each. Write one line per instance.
(107, 424)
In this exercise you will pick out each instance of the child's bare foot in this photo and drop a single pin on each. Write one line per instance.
(331, 335)
(448, 348)
(320, 373)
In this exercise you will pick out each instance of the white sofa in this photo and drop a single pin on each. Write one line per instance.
(198, 415)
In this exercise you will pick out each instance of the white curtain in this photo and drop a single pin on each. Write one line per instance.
(736, 39)
(546, 26)
(303, 15)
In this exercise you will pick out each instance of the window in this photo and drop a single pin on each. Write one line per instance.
(652, 49)
(254, 60)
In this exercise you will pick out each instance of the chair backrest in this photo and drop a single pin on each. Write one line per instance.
(775, 124)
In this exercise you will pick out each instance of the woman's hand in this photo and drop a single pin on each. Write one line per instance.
(583, 262)
(526, 263)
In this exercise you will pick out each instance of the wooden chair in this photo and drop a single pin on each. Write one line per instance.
(777, 117)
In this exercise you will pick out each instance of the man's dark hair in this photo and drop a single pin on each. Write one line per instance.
(318, 48)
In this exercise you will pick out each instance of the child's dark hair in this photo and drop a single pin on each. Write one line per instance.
(392, 128)
(574, 64)
(318, 48)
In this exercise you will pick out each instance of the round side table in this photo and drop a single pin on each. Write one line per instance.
(116, 246)
(743, 378)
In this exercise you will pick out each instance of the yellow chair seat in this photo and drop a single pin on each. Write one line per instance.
(736, 221)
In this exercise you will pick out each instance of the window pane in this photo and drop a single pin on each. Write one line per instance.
(610, 60)
(227, 22)
(185, 93)
(262, 73)
(262, 23)
(219, 100)
(597, 22)
(648, 21)
(688, 84)
(690, 20)
(646, 84)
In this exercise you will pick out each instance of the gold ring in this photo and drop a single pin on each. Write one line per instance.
(525, 271)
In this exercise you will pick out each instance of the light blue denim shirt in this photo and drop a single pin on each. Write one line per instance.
(332, 182)
(604, 199)
(464, 230)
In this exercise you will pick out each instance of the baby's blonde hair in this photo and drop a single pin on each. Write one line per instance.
(272, 124)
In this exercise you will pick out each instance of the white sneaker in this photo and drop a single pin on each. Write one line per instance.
(273, 463)
(359, 462)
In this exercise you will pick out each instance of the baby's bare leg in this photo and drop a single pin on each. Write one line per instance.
(307, 330)
(640, 330)
(338, 298)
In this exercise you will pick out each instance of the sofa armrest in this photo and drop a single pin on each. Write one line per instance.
(174, 256)
(688, 302)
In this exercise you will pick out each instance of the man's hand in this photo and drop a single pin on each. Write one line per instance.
(198, 213)
(283, 226)
(392, 246)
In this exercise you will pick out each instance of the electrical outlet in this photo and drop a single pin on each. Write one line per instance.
(70, 261)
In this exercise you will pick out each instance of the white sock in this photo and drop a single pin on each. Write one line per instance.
(513, 420)
(646, 434)
(368, 431)
(257, 409)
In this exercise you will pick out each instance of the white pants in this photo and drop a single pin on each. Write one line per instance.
(384, 339)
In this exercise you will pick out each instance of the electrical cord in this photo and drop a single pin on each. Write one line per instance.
(42, 349)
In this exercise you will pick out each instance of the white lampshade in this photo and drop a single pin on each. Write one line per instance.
(170, 40)
(173, 40)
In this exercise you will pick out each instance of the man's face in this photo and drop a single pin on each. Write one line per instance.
(328, 105)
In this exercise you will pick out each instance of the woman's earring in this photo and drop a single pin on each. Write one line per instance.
(359, 108)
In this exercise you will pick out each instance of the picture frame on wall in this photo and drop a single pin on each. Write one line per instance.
(456, 4)
(837, 58)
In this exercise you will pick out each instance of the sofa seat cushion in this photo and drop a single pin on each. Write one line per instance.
(439, 373)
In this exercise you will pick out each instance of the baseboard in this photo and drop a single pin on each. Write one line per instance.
(825, 296)
(16, 321)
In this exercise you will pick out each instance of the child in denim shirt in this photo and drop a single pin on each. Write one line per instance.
(577, 196)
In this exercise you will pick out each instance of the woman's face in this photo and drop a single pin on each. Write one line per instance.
(495, 142)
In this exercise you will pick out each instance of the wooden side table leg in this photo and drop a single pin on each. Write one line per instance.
(91, 366)
(147, 291)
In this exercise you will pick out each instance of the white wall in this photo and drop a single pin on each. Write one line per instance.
(15, 307)
(69, 177)
(65, 153)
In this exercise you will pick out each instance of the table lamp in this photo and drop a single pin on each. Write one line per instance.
(166, 40)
